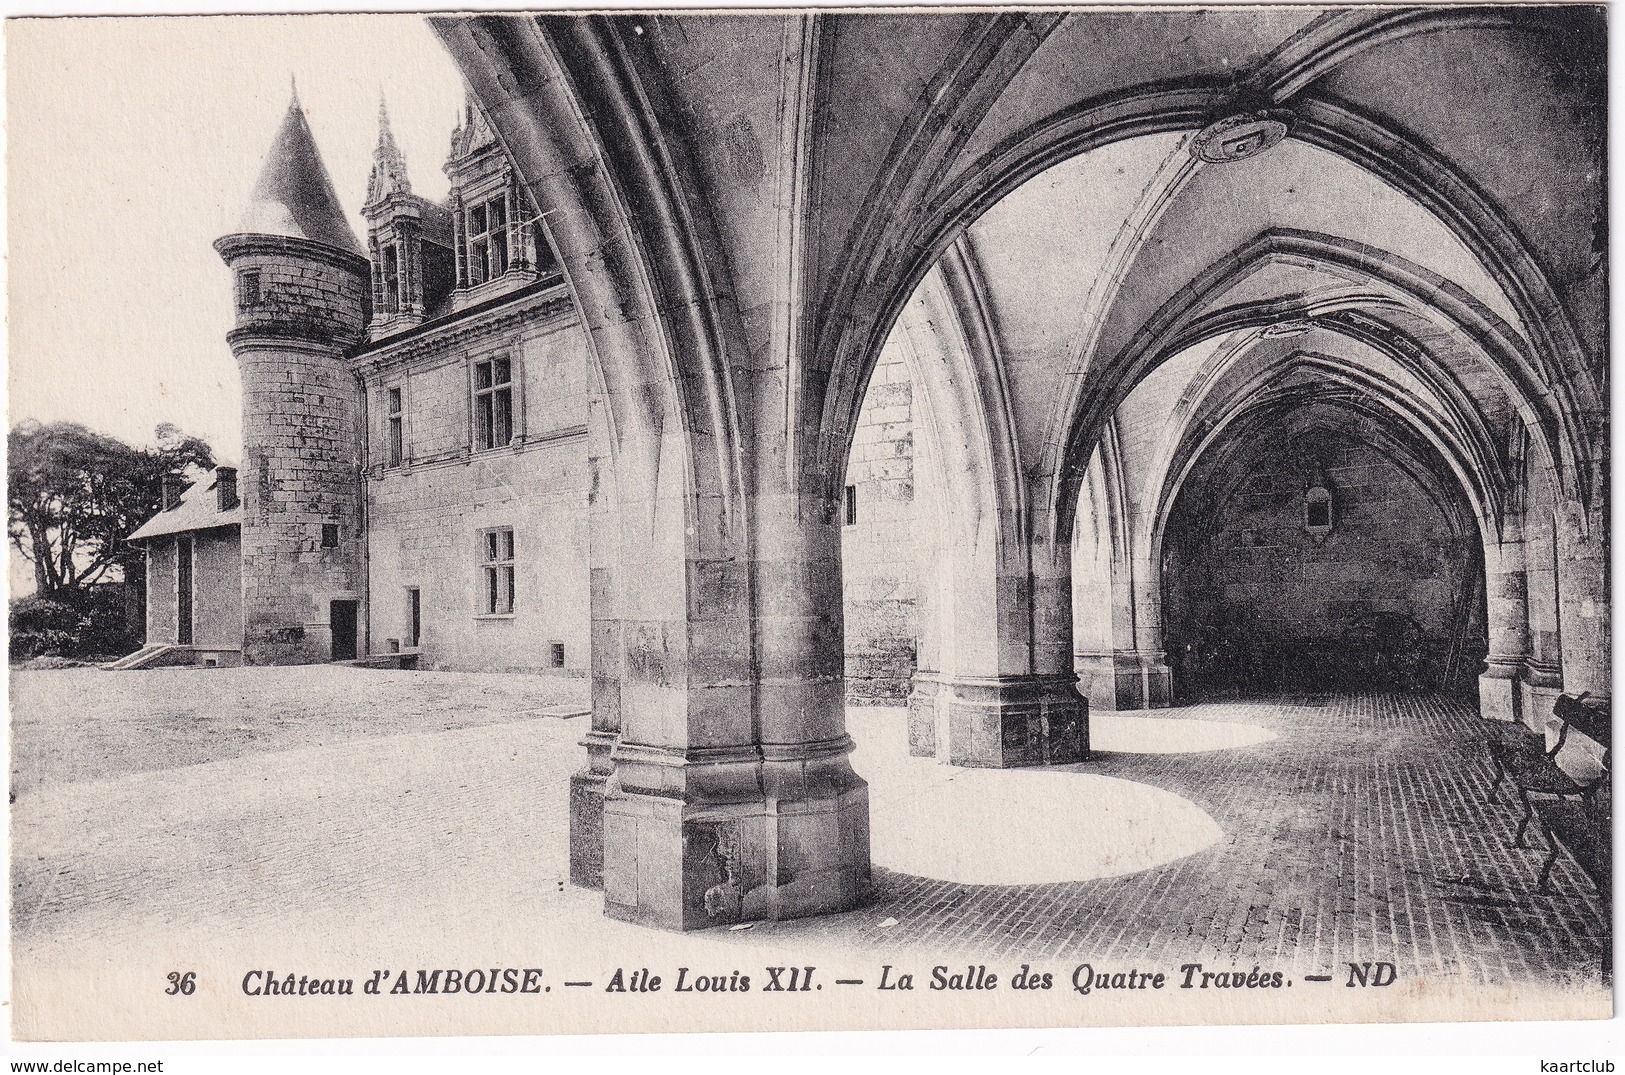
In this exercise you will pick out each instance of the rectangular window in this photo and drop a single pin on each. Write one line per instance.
(496, 215)
(414, 616)
(477, 246)
(397, 440)
(496, 572)
(558, 655)
(248, 288)
(851, 505)
(487, 241)
(330, 535)
(493, 403)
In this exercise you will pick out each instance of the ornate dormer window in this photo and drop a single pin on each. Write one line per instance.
(495, 229)
(410, 242)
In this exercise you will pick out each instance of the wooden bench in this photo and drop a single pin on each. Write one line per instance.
(1510, 745)
(1583, 830)
(1522, 757)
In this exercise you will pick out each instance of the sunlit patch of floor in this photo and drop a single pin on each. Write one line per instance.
(1118, 734)
(1014, 827)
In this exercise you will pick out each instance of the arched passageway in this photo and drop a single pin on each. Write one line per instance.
(748, 208)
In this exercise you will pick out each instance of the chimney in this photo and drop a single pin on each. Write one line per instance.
(172, 491)
(225, 483)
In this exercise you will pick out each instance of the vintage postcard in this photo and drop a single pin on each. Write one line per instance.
(554, 523)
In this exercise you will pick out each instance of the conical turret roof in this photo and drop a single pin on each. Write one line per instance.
(294, 195)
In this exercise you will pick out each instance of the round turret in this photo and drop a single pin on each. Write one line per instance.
(301, 289)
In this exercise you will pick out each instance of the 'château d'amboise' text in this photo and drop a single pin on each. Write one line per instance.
(1084, 979)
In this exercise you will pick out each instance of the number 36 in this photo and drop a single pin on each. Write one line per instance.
(181, 984)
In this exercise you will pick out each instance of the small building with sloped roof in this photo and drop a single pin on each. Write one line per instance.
(195, 571)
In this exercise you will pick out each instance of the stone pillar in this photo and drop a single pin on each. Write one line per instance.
(516, 246)
(1542, 677)
(1137, 680)
(1134, 672)
(403, 276)
(1583, 600)
(1506, 588)
(711, 816)
(1156, 678)
(376, 270)
(589, 784)
(729, 794)
(1015, 702)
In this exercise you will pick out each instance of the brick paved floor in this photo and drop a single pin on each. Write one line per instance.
(1360, 831)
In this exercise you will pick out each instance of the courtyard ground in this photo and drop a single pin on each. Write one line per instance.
(321, 816)
(74, 725)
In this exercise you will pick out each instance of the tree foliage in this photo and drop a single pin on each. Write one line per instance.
(75, 495)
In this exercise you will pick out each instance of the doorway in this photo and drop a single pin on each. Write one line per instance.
(342, 620)
(183, 595)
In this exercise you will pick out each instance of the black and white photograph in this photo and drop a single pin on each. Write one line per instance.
(841, 519)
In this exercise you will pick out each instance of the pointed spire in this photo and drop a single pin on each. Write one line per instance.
(293, 92)
(388, 165)
(473, 133)
(385, 135)
(294, 195)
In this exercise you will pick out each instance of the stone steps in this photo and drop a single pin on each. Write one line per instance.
(150, 656)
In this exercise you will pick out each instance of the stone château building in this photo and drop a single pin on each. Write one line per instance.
(1023, 363)
(414, 419)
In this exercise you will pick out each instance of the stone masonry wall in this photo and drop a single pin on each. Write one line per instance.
(298, 307)
(426, 518)
(1254, 600)
(217, 584)
(301, 413)
(301, 292)
(877, 552)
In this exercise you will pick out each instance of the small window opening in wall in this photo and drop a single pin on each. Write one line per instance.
(397, 439)
(414, 616)
(851, 505)
(391, 274)
(493, 404)
(1317, 508)
(496, 554)
(211, 662)
(248, 288)
(330, 535)
(558, 655)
